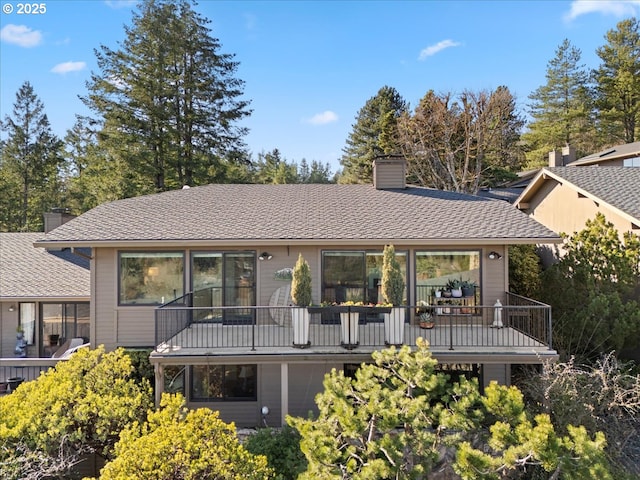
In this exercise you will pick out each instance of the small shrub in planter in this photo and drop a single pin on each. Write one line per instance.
(392, 281)
(301, 283)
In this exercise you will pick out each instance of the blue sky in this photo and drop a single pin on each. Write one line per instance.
(310, 66)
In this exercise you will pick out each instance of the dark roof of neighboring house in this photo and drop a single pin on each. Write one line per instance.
(503, 193)
(30, 272)
(289, 214)
(627, 150)
(618, 187)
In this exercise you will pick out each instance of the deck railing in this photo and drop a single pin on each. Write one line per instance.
(14, 371)
(522, 323)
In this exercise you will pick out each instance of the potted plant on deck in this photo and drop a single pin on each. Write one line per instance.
(301, 296)
(393, 292)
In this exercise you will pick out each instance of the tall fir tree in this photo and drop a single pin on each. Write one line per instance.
(168, 99)
(562, 109)
(29, 165)
(372, 135)
(92, 175)
(617, 83)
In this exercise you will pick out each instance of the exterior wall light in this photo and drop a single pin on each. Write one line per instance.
(494, 256)
(12, 308)
(265, 256)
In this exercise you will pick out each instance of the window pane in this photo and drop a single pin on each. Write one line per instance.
(239, 279)
(223, 382)
(435, 269)
(82, 321)
(151, 278)
(28, 321)
(343, 276)
(207, 279)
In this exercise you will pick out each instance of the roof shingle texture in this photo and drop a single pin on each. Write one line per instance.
(300, 212)
(617, 186)
(27, 271)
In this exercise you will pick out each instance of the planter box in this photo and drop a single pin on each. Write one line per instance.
(349, 328)
(394, 326)
(300, 323)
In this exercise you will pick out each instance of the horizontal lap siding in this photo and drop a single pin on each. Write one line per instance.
(305, 382)
(118, 326)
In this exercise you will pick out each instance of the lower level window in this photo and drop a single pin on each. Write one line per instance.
(210, 383)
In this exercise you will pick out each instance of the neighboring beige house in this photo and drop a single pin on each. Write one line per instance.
(626, 155)
(194, 274)
(47, 295)
(564, 198)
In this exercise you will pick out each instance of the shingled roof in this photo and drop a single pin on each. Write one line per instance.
(30, 273)
(619, 187)
(617, 152)
(300, 214)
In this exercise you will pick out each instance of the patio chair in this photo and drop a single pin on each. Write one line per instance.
(69, 347)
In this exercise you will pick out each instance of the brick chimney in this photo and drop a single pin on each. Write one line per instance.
(389, 172)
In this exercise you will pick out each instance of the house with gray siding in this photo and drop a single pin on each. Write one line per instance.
(200, 276)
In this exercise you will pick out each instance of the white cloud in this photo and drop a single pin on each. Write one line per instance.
(250, 21)
(21, 35)
(120, 3)
(67, 67)
(323, 118)
(433, 49)
(617, 8)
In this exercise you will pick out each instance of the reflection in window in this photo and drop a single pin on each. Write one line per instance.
(355, 276)
(174, 379)
(150, 278)
(61, 322)
(223, 382)
(434, 269)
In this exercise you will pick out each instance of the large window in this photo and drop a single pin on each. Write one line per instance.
(224, 279)
(435, 268)
(355, 275)
(61, 322)
(210, 383)
(149, 278)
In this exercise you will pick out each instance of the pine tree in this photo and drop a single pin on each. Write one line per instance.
(561, 109)
(618, 84)
(168, 99)
(30, 163)
(373, 135)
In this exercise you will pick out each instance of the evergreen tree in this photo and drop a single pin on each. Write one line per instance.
(594, 290)
(92, 176)
(271, 168)
(182, 444)
(618, 84)
(561, 109)
(401, 419)
(168, 100)
(316, 173)
(372, 135)
(77, 408)
(29, 165)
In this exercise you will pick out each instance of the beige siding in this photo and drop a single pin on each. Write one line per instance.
(500, 373)
(305, 382)
(8, 324)
(563, 210)
(135, 325)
